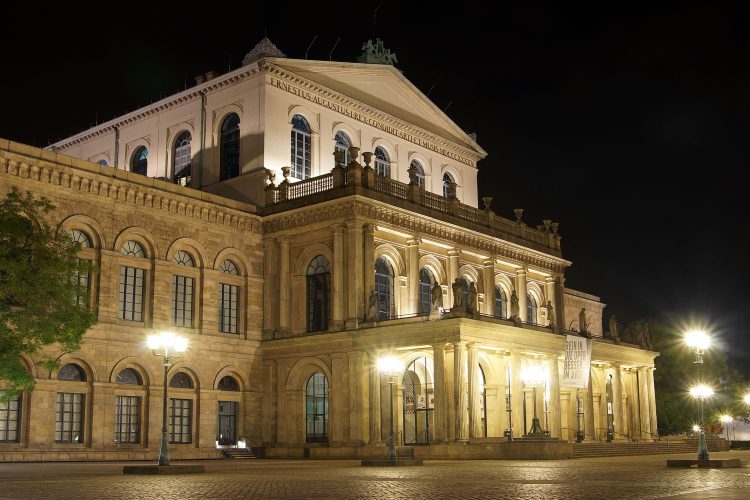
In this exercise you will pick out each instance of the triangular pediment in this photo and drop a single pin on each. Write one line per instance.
(382, 87)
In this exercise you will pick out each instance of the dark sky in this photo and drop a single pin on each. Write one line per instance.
(629, 126)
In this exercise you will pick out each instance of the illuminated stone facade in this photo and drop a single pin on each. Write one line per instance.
(330, 274)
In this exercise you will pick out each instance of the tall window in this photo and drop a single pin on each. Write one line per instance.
(229, 300)
(318, 294)
(343, 143)
(382, 162)
(182, 292)
(10, 419)
(230, 147)
(131, 285)
(501, 302)
(227, 431)
(127, 419)
(182, 159)
(69, 408)
(81, 277)
(420, 172)
(180, 420)
(447, 181)
(384, 288)
(531, 308)
(301, 150)
(139, 161)
(316, 409)
(426, 282)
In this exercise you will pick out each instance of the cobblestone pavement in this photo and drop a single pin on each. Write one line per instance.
(591, 478)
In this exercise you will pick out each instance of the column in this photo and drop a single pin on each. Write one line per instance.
(440, 413)
(268, 410)
(368, 260)
(516, 394)
(643, 399)
(488, 276)
(555, 426)
(284, 284)
(589, 417)
(617, 406)
(521, 292)
(549, 288)
(355, 287)
(412, 275)
(503, 364)
(452, 274)
(358, 401)
(560, 305)
(375, 409)
(339, 399)
(339, 272)
(459, 390)
(475, 415)
(652, 399)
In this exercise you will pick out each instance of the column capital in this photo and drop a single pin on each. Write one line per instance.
(454, 252)
(472, 346)
(283, 240)
(369, 228)
(489, 263)
(337, 228)
(414, 241)
(521, 271)
(353, 224)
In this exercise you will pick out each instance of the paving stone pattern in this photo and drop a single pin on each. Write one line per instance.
(592, 478)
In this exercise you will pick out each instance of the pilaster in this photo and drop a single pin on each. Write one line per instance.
(460, 383)
(452, 273)
(412, 275)
(555, 426)
(440, 412)
(488, 278)
(618, 407)
(355, 285)
(284, 283)
(652, 400)
(339, 273)
(374, 409)
(475, 417)
(521, 292)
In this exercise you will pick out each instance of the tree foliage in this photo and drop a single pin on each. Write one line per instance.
(39, 288)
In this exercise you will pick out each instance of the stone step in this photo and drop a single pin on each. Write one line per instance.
(581, 450)
(239, 454)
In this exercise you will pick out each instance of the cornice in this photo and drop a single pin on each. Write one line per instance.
(295, 84)
(417, 224)
(124, 191)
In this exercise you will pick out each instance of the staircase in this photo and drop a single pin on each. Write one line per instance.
(584, 450)
(239, 454)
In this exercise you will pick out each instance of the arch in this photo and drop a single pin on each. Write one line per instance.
(491, 376)
(184, 366)
(453, 171)
(436, 266)
(423, 160)
(303, 370)
(348, 130)
(138, 162)
(382, 162)
(470, 272)
(181, 156)
(140, 235)
(80, 360)
(30, 365)
(536, 291)
(220, 115)
(232, 371)
(412, 356)
(134, 363)
(394, 257)
(86, 224)
(307, 114)
(190, 246)
(447, 178)
(389, 148)
(230, 150)
(101, 157)
(236, 256)
(308, 254)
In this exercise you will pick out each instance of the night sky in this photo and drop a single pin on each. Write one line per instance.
(630, 127)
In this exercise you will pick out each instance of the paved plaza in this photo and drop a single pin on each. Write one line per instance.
(605, 478)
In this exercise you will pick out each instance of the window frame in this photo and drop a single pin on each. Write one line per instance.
(301, 149)
(139, 161)
(229, 138)
(315, 398)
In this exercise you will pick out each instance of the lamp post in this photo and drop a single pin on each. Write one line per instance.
(167, 345)
(534, 376)
(702, 391)
(727, 419)
(390, 367)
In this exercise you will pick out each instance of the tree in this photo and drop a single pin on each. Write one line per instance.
(40, 289)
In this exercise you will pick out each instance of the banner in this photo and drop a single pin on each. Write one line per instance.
(576, 367)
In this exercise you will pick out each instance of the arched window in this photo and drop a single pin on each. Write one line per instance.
(128, 376)
(420, 172)
(228, 383)
(447, 181)
(316, 409)
(531, 308)
(181, 380)
(318, 294)
(426, 282)
(382, 162)
(133, 249)
(229, 267)
(71, 371)
(464, 291)
(182, 258)
(501, 302)
(139, 161)
(182, 159)
(343, 143)
(132, 280)
(69, 407)
(384, 288)
(301, 149)
(230, 147)
(80, 237)
(182, 292)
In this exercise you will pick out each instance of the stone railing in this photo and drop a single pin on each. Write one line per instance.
(355, 175)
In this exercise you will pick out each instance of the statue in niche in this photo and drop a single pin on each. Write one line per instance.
(613, 332)
(437, 297)
(514, 308)
(456, 286)
(372, 305)
(550, 313)
(471, 299)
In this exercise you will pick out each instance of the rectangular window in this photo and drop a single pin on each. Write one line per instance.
(82, 280)
(10, 413)
(131, 293)
(228, 307)
(182, 301)
(69, 417)
(180, 420)
(127, 419)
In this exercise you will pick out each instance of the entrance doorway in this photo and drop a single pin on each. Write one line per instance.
(419, 402)
(227, 422)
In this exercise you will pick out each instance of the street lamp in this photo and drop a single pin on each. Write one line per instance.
(746, 399)
(727, 419)
(699, 340)
(167, 345)
(534, 376)
(702, 391)
(391, 367)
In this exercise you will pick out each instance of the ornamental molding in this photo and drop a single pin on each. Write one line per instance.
(299, 86)
(418, 225)
(35, 170)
